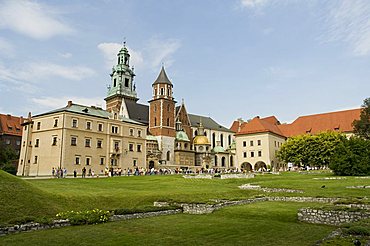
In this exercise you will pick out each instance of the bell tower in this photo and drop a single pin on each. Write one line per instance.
(122, 85)
(162, 116)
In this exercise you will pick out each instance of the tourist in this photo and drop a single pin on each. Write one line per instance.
(53, 171)
(65, 172)
(83, 172)
(75, 173)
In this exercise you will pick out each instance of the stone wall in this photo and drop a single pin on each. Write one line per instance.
(200, 176)
(237, 176)
(330, 217)
(33, 227)
(144, 215)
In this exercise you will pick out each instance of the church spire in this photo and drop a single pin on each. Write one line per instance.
(122, 77)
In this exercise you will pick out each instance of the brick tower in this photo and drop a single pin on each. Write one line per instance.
(162, 116)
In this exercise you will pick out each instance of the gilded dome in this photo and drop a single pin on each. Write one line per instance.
(201, 140)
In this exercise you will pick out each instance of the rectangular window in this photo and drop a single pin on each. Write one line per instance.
(37, 143)
(18, 142)
(35, 160)
(251, 143)
(126, 82)
(139, 133)
(38, 126)
(245, 154)
(74, 123)
(102, 160)
(55, 122)
(138, 148)
(73, 141)
(99, 143)
(134, 163)
(131, 132)
(258, 142)
(252, 154)
(116, 145)
(115, 129)
(55, 139)
(88, 161)
(244, 143)
(88, 125)
(260, 153)
(77, 160)
(100, 127)
(87, 142)
(131, 147)
(7, 141)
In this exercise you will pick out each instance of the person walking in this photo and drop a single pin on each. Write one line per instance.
(75, 173)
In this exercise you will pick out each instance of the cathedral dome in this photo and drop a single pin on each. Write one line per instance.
(182, 136)
(201, 140)
(218, 149)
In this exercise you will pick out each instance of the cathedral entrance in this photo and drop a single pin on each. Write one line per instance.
(151, 164)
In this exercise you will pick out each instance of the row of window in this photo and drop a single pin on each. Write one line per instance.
(251, 154)
(8, 142)
(251, 143)
(88, 126)
(88, 160)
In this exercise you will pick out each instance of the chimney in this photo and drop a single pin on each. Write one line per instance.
(8, 116)
(69, 104)
(21, 120)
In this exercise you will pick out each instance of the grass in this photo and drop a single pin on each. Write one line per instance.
(267, 223)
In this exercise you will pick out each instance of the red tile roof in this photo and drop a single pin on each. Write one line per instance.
(257, 125)
(336, 121)
(10, 125)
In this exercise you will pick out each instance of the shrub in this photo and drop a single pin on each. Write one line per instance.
(94, 216)
(357, 230)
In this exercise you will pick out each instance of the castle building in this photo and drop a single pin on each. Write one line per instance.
(258, 140)
(11, 132)
(127, 135)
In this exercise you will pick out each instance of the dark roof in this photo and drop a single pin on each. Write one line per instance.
(208, 123)
(138, 112)
(162, 78)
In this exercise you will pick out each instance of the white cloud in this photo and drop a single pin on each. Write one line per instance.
(161, 51)
(155, 52)
(348, 21)
(49, 103)
(33, 19)
(253, 3)
(6, 48)
(42, 70)
(65, 55)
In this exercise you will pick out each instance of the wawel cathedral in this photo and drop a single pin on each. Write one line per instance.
(127, 135)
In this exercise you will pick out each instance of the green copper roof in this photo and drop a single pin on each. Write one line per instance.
(218, 149)
(182, 136)
(81, 109)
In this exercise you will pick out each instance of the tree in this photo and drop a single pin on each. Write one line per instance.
(7, 158)
(361, 127)
(311, 150)
(352, 157)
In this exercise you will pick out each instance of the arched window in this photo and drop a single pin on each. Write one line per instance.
(168, 155)
(231, 161)
(223, 161)
(168, 108)
(168, 121)
(222, 139)
(196, 133)
(114, 82)
(155, 121)
(162, 91)
(229, 143)
(213, 140)
(205, 133)
(168, 92)
(215, 161)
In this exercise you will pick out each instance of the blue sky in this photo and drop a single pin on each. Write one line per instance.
(227, 58)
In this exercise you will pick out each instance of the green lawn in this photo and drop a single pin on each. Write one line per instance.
(267, 223)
